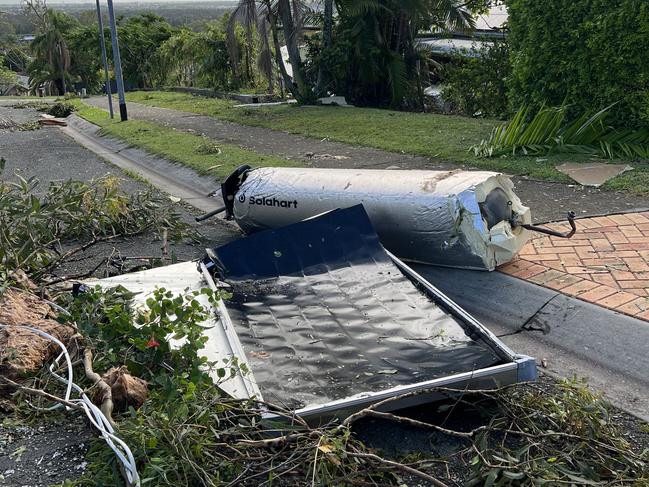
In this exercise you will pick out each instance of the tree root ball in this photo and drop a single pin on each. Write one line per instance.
(127, 391)
(22, 351)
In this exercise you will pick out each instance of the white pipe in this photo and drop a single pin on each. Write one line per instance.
(94, 414)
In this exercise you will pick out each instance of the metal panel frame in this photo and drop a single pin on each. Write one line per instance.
(223, 318)
(424, 392)
(518, 367)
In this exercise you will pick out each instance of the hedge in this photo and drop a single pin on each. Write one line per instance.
(587, 53)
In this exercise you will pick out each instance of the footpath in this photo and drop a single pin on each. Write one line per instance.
(606, 262)
(549, 201)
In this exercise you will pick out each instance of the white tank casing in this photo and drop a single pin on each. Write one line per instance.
(430, 217)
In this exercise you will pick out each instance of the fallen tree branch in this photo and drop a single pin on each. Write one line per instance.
(280, 440)
(80, 275)
(38, 392)
(165, 245)
(106, 392)
(82, 248)
(421, 424)
(445, 390)
(400, 466)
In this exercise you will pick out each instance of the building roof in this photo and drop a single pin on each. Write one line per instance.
(495, 19)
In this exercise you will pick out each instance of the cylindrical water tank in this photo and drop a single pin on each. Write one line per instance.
(467, 219)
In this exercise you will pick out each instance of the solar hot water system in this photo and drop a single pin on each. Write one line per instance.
(328, 322)
(320, 305)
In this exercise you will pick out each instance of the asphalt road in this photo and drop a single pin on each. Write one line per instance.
(568, 337)
(50, 155)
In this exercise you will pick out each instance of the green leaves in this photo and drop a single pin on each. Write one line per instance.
(476, 85)
(61, 109)
(140, 339)
(586, 53)
(549, 131)
(38, 229)
(552, 435)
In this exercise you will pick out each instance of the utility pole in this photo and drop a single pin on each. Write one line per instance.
(104, 58)
(117, 60)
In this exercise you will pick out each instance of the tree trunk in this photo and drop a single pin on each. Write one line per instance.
(327, 38)
(288, 82)
(284, 7)
(265, 60)
(59, 48)
(327, 28)
(60, 86)
(271, 86)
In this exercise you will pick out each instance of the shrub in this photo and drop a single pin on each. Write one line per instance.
(586, 53)
(476, 85)
(61, 109)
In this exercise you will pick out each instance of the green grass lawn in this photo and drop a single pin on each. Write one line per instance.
(205, 156)
(27, 98)
(442, 137)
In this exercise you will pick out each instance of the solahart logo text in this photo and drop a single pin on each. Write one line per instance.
(252, 200)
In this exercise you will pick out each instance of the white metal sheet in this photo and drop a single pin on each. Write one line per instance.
(179, 279)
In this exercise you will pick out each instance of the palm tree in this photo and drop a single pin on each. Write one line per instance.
(265, 17)
(270, 12)
(327, 39)
(246, 14)
(51, 49)
(385, 60)
(287, 14)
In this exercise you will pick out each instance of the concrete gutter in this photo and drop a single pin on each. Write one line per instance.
(569, 337)
(174, 179)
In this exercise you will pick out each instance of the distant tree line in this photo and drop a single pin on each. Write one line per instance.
(365, 51)
(188, 14)
(586, 53)
(65, 53)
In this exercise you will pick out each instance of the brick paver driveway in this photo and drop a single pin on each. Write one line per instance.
(606, 262)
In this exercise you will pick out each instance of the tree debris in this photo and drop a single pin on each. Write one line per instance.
(127, 391)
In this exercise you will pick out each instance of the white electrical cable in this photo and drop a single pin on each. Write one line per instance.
(94, 414)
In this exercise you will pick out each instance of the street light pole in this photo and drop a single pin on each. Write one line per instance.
(118, 63)
(104, 58)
